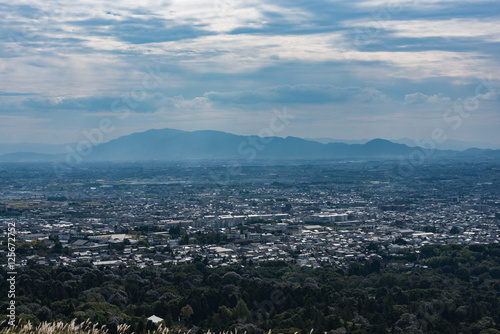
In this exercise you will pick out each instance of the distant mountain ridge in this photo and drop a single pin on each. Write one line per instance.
(33, 147)
(171, 145)
(449, 144)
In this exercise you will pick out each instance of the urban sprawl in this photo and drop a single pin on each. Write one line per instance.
(311, 214)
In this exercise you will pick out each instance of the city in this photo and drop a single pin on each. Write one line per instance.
(309, 215)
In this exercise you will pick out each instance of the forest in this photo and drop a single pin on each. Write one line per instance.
(448, 289)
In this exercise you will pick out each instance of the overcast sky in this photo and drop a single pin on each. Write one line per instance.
(342, 69)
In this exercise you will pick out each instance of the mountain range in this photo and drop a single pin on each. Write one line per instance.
(449, 144)
(173, 145)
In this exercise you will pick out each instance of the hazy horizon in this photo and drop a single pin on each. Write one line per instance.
(55, 148)
(319, 138)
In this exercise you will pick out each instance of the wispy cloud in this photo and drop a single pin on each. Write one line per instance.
(312, 93)
(488, 29)
(418, 98)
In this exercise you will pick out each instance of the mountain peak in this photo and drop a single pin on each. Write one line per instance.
(379, 141)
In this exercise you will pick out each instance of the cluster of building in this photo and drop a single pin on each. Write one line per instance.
(310, 216)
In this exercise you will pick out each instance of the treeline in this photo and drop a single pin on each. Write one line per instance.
(453, 289)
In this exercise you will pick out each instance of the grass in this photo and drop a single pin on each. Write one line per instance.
(84, 328)
(67, 328)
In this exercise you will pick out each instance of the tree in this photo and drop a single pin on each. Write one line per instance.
(186, 312)
(408, 323)
(241, 310)
(184, 240)
(143, 242)
(169, 322)
(490, 331)
(175, 230)
(222, 319)
(58, 247)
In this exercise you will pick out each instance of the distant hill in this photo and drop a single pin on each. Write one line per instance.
(449, 144)
(28, 157)
(325, 140)
(170, 145)
(33, 147)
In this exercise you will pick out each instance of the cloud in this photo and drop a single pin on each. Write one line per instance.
(148, 103)
(67, 103)
(15, 94)
(488, 29)
(418, 4)
(491, 95)
(60, 61)
(419, 98)
(141, 30)
(305, 93)
(432, 64)
(145, 104)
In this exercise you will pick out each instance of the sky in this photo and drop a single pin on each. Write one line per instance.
(427, 70)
